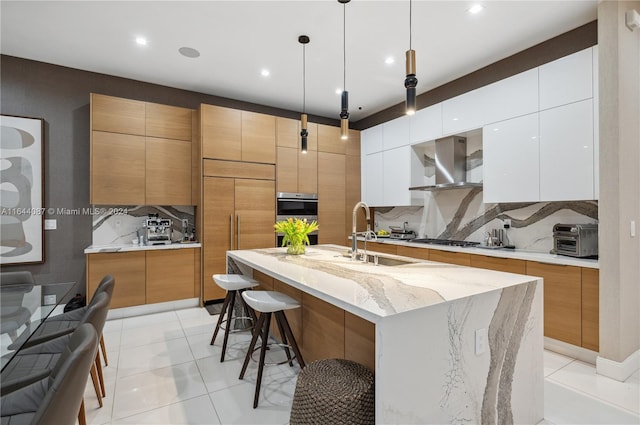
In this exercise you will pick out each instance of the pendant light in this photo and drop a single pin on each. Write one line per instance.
(410, 82)
(344, 112)
(304, 40)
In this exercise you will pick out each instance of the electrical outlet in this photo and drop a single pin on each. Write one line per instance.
(481, 341)
(507, 223)
(49, 299)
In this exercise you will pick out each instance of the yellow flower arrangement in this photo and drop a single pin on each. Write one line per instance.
(296, 233)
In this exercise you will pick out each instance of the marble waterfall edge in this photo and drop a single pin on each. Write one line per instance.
(454, 383)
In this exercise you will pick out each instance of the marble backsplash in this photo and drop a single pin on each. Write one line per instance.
(461, 215)
(119, 224)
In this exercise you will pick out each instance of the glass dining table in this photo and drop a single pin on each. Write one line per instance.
(23, 308)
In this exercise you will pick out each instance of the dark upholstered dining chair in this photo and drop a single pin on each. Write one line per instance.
(58, 397)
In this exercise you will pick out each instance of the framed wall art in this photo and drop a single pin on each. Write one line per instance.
(21, 190)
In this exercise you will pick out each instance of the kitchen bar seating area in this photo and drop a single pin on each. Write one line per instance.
(288, 235)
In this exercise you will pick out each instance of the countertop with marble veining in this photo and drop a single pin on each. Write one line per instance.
(370, 291)
(516, 254)
(94, 249)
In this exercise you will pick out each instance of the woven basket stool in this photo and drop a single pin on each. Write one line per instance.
(334, 391)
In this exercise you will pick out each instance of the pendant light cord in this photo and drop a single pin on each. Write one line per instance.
(410, 20)
(344, 47)
(304, 78)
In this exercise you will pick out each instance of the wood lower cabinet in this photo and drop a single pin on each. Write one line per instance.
(294, 315)
(169, 275)
(128, 269)
(145, 277)
(408, 251)
(331, 198)
(591, 309)
(459, 258)
(359, 340)
(238, 213)
(117, 169)
(322, 330)
(562, 300)
(379, 247)
(500, 264)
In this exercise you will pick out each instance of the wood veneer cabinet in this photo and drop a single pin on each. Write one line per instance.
(322, 330)
(235, 135)
(379, 247)
(238, 213)
(128, 269)
(117, 169)
(169, 275)
(117, 115)
(329, 140)
(129, 168)
(408, 251)
(459, 258)
(296, 171)
(332, 198)
(500, 264)
(353, 181)
(145, 277)
(591, 309)
(562, 300)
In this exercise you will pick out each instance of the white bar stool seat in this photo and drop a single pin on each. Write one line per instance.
(233, 284)
(268, 303)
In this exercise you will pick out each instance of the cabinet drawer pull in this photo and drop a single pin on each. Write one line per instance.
(231, 232)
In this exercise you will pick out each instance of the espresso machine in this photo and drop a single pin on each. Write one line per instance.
(157, 231)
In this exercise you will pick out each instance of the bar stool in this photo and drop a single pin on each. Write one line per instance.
(268, 302)
(233, 284)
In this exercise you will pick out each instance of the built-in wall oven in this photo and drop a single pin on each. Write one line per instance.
(300, 205)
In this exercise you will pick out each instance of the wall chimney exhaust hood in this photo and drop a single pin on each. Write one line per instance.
(451, 165)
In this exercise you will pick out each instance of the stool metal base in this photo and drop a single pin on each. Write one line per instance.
(276, 344)
(236, 330)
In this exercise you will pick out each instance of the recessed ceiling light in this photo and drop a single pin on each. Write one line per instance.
(265, 72)
(189, 52)
(141, 41)
(389, 60)
(475, 9)
(338, 90)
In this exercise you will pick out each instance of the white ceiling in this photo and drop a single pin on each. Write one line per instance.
(236, 39)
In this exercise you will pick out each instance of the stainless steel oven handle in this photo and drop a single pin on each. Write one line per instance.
(238, 244)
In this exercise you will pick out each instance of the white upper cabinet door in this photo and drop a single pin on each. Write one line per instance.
(371, 139)
(374, 180)
(397, 166)
(566, 152)
(566, 80)
(510, 165)
(426, 124)
(396, 133)
(504, 99)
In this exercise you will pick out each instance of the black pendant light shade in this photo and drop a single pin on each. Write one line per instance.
(410, 82)
(304, 40)
(344, 109)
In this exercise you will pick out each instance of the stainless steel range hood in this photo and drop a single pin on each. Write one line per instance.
(451, 165)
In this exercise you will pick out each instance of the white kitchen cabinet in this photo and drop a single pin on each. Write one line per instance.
(371, 139)
(510, 168)
(566, 80)
(397, 167)
(373, 181)
(566, 152)
(426, 124)
(504, 99)
(396, 133)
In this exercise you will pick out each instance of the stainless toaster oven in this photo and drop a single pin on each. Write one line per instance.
(575, 240)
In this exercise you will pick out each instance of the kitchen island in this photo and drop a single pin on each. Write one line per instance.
(453, 344)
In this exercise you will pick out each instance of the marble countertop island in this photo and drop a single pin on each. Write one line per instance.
(453, 344)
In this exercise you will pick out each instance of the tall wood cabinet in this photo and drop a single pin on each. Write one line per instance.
(296, 171)
(238, 212)
(140, 153)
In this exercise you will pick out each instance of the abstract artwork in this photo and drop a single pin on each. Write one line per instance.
(21, 190)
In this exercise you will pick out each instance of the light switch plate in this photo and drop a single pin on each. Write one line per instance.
(50, 224)
(49, 299)
(481, 341)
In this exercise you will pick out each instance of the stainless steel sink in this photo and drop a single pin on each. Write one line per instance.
(379, 260)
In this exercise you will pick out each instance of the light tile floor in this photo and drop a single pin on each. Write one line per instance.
(162, 370)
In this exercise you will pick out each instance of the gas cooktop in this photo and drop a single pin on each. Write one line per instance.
(447, 242)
